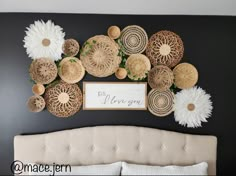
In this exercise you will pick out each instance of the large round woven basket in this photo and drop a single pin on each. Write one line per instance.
(63, 100)
(43, 71)
(166, 48)
(71, 70)
(160, 77)
(134, 39)
(160, 103)
(70, 47)
(36, 103)
(138, 66)
(186, 75)
(99, 56)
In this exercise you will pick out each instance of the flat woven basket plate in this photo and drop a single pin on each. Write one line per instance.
(43, 71)
(134, 39)
(36, 103)
(160, 103)
(71, 70)
(138, 66)
(70, 47)
(165, 48)
(63, 100)
(186, 75)
(160, 77)
(99, 56)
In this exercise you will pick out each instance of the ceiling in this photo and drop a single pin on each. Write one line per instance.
(186, 7)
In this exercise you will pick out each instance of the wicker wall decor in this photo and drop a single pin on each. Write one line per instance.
(160, 103)
(38, 89)
(71, 70)
(99, 56)
(160, 77)
(36, 103)
(70, 47)
(134, 39)
(186, 75)
(166, 48)
(138, 66)
(121, 73)
(113, 32)
(63, 100)
(43, 71)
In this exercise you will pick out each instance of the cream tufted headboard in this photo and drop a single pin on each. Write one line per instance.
(107, 144)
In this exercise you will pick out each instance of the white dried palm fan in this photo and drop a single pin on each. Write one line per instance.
(192, 107)
(44, 40)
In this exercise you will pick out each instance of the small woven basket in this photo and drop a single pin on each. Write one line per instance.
(186, 75)
(70, 47)
(160, 103)
(36, 103)
(160, 77)
(134, 40)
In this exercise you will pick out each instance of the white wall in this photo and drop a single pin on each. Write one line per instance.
(190, 7)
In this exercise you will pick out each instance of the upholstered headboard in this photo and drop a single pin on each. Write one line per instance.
(107, 144)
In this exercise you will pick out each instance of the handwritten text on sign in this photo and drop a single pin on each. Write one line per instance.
(114, 95)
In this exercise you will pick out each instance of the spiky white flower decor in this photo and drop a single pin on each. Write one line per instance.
(192, 106)
(44, 40)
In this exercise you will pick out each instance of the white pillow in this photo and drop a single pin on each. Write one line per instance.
(133, 169)
(105, 169)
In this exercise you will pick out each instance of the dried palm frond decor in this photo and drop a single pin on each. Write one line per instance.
(186, 75)
(71, 70)
(113, 32)
(43, 70)
(192, 107)
(99, 56)
(165, 48)
(134, 39)
(44, 40)
(63, 99)
(36, 103)
(138, 66)
(160, 77)
(160, 103)
(71, 47)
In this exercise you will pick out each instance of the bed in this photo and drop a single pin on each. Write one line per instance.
(108, 144)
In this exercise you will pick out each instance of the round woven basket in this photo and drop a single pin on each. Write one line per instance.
(160, 103)
(134, 40)
(70, 47)
(99, 56)
(113, 32)
(160, 77)
(43, 71)
(165, 48)
(63, 100)
(36, 103)
(38, 89)
(186, 75)
(138, 66)
(121, 73)
(71, 70)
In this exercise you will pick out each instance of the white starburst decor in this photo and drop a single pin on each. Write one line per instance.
(44, 40)
(192, 107)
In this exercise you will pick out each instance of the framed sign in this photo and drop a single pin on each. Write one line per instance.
(114, 96)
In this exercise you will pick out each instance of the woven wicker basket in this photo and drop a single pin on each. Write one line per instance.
(43, 71)
(186, 75)
(71, 70)
(38, 89)
(63, 100)
(70, 47)
(113, 32)
(36, 103)
(160, 103)
(99, 56)
(160, 77)
(134, 39)
(138, 66)
(165, 48)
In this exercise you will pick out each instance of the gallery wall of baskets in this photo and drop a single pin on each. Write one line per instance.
(60, 63)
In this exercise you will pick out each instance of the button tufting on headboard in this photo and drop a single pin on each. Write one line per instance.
(107, 144)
